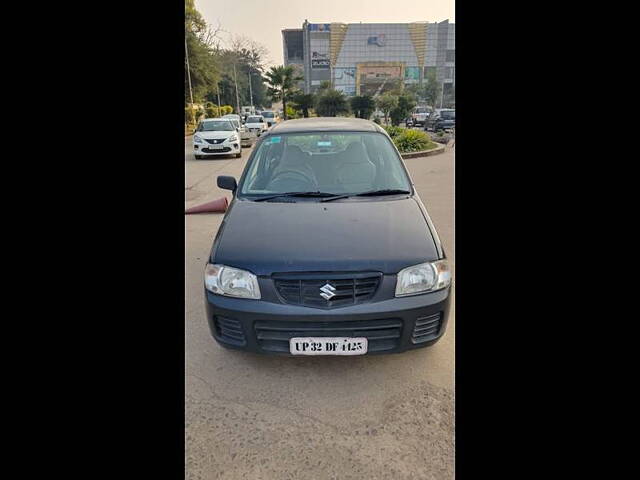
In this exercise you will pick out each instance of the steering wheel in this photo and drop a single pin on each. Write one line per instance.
(294, 175)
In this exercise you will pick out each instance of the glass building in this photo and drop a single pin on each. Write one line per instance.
(371, 58)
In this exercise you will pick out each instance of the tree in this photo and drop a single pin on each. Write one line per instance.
(332, 103)
(405, 104)
(281, 81)
(363, 106)
(386, 103)
(304, 101)
(201, 41)
(431, 90)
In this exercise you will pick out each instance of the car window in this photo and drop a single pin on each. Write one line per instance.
(255, 120)
(267, 114)
(448, 114)
(332, 162)
(215, 126)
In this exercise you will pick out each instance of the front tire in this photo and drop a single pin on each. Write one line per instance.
(198, 157)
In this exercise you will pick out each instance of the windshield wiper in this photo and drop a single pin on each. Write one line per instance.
(295, 194)
(370, 193)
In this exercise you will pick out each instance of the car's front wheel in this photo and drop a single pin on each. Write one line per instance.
(198, 157)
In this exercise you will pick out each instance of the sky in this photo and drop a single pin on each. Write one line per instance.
(263, 20)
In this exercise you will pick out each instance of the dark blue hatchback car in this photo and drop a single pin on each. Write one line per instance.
(326, 248)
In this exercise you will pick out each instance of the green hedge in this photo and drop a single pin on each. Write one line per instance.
(393, 131)
(413, 141)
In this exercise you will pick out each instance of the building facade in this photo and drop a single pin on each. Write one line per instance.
(371, 58)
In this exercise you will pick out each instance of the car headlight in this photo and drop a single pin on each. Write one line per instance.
(423, 278)
(231, 282)
(197, 139)
(232, 138)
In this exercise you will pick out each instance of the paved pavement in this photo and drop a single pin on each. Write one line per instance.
(257, 417)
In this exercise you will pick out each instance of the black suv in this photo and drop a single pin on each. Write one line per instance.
(326, 248)
(444, 119)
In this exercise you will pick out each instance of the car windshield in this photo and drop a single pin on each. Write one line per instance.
(330, 162)
(254, 120)
(268, 114)
(421, 110)
(216, 126)
(448, 114)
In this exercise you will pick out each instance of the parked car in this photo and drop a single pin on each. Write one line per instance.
(442, 119)
(418, 117)
(256, 124)
(216, 136)
(270, 116)
(326, 248)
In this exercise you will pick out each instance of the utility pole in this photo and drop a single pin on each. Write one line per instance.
(218, 85)
(250, 91)
(186, 51)
(235, 80)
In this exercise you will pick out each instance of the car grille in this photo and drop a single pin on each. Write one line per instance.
(426, 328)
(229, 331)
(218, 150)
(215, 141)
(274, 335)
(347, 289)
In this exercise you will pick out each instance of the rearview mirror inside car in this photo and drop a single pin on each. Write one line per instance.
(227, 183)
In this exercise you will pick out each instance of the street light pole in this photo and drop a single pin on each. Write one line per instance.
(186, 51)
(235, 80)
(250, 92)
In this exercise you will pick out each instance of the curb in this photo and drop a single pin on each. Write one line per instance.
(424, 153)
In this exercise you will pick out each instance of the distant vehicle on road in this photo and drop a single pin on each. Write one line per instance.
(216, 136)
(270, 116)
(256, 124)
(246, 137)
(326, 248)
(442, 119)
(418, 117)
(248, 110)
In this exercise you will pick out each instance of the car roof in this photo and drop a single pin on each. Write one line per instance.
(325, 124)
(215, 119)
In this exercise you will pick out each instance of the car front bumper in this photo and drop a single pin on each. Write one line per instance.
(390, 326)
(205, 150)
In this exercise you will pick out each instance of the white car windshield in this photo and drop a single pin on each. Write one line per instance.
(216, 126)
(255, 120)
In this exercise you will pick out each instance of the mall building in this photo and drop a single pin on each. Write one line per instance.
(370, 58)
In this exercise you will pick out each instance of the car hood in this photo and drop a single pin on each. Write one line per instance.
(360, 235)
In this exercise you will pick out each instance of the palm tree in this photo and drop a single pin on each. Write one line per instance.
(281, 80)
(304, 101)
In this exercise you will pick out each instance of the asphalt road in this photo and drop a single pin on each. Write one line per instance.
(257, 417)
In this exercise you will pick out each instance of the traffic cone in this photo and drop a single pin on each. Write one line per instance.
(215, 206)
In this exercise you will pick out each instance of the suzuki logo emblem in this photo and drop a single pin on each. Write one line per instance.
(328, 291)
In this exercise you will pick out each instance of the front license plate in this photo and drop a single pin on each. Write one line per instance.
(328, 346)
(215, 147)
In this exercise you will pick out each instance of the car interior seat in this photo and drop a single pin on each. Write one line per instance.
(356, 172)
(294, 173)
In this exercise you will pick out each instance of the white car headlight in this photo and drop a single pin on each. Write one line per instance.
(231, 282)
(423, 278)
(232, 138)
(197, 139)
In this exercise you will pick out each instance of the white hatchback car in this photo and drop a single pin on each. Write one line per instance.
(216, 136)
(256, 124)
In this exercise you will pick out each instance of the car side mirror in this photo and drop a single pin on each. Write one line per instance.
(227, 183)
